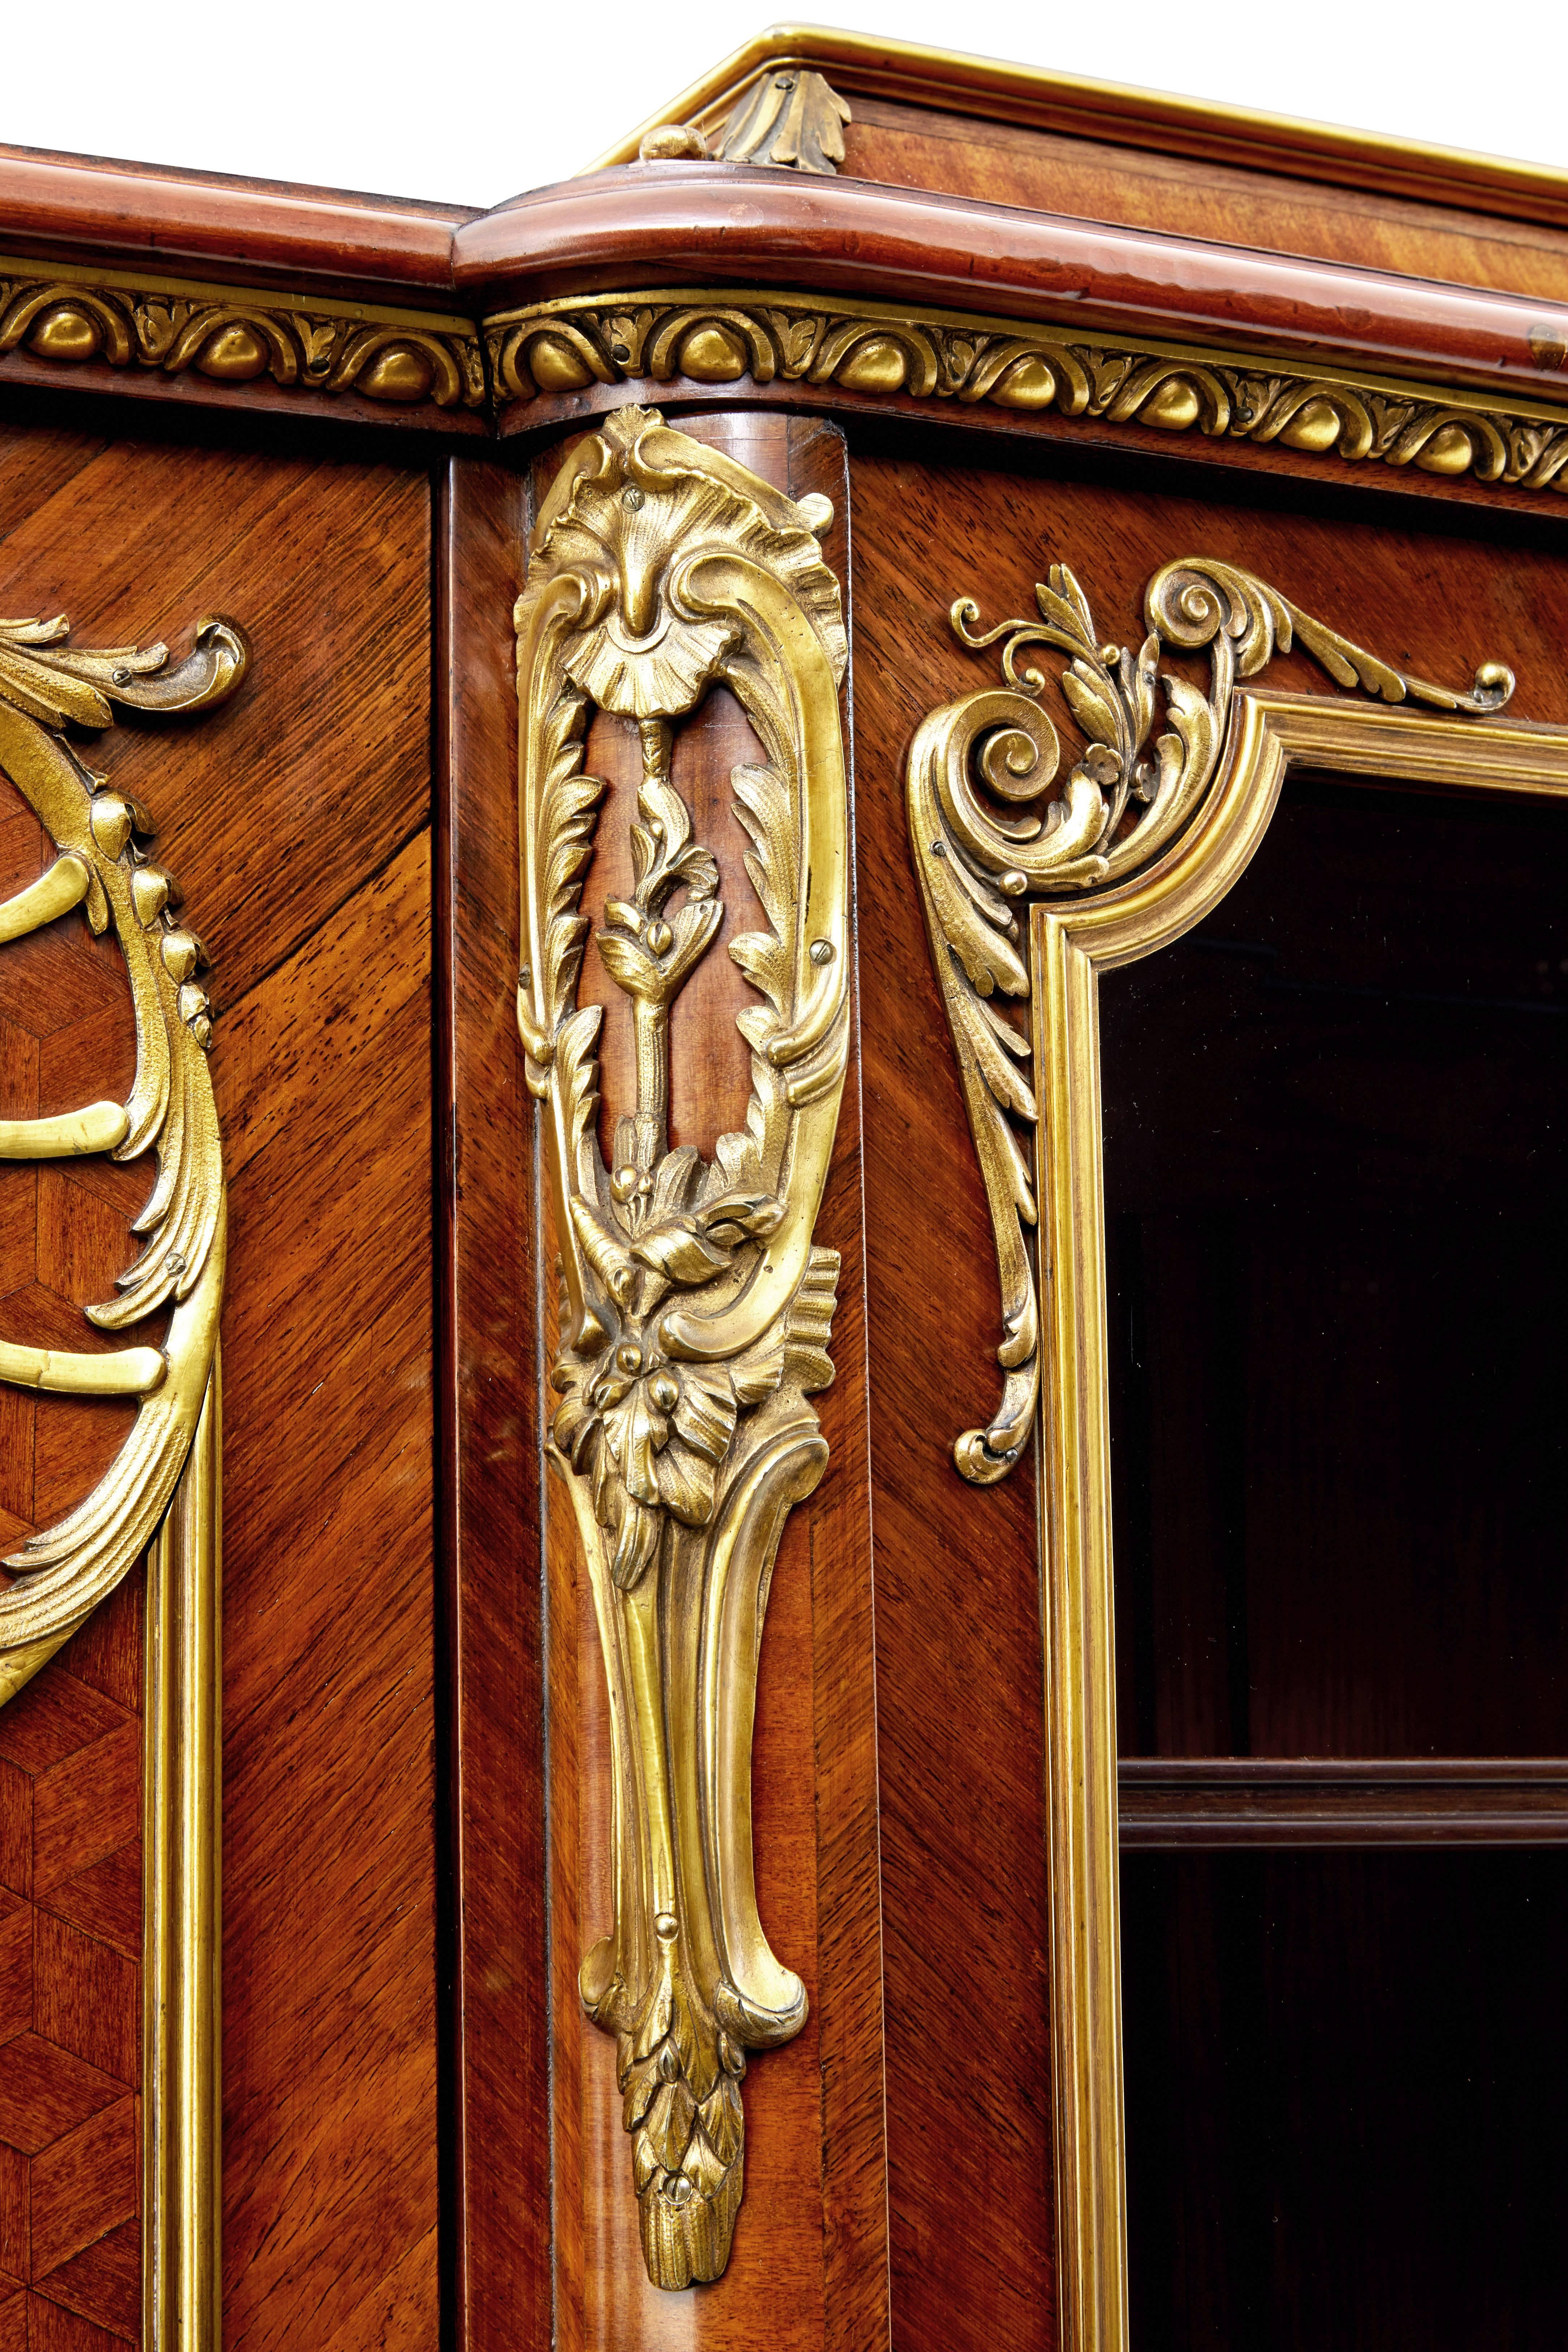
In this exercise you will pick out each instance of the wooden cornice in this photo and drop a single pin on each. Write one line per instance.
(244, 294)
(695, 223)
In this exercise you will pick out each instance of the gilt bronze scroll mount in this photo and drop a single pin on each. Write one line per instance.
(1128, 795)
(161, 1495)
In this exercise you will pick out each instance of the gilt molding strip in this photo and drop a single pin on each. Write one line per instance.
(696, 1305)
(431, 366)
(182, 1869)
(74, 318)
(717, 336)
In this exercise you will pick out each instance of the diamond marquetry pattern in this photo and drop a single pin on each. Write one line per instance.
(70, 2000)
(70, 1744)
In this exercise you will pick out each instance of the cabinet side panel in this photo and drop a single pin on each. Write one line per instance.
(500, 2151)
(292, 819)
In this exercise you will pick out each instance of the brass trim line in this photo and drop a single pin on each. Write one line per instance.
(181, 2268)
(719, 336)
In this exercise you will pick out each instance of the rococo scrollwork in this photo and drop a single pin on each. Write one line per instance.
(102, 867)
(160, 1496)
(1153, 745)
(696, 1306)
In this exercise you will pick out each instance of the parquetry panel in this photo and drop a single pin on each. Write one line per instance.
(71, 1990)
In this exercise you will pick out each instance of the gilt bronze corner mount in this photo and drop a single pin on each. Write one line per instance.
(788, 117)
(1129, 794)
(696, 1305)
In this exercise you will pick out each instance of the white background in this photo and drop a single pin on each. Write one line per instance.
(470, 102)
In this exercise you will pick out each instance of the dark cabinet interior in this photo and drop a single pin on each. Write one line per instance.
(1337, 2131)
(1336, 1121)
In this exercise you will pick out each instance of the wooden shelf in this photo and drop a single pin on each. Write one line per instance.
(1219, 1801)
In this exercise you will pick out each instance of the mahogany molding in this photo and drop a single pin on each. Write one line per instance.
(1227, 1801)
(253, 231)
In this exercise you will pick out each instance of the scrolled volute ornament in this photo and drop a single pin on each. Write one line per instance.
(1129, 794)
(102, 839)
(696, 1306)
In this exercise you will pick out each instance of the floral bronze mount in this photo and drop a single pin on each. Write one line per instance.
(160, 1499)
(696, 1303)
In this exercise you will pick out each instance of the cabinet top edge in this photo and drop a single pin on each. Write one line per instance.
(1156, 121)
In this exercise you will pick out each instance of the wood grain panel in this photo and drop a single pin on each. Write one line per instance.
(70, 1744)
(318, 769)
(296, 819)
(1435, 592)
(499, 2154)
(842, 1531)
(70, 1981)
(1095, 179)
(959, 1665)
(330, 2035)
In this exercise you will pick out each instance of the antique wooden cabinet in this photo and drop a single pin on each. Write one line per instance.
(824, 879)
